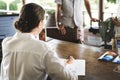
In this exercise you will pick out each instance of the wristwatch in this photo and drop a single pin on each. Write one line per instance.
(59, 23)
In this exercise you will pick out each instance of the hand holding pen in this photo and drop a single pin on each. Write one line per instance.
(70, 60)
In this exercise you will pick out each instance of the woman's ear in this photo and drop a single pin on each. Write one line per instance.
(40, 24)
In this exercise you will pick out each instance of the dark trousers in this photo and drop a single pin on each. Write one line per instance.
(71, 34)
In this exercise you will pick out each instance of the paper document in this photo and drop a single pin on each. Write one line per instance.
(78, 66)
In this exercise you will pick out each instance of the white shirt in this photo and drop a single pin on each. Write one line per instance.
(72, 12)
(26, 58)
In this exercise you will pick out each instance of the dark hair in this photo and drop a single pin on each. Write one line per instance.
(30, 16)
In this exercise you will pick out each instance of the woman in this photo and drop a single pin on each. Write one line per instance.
(25, 57)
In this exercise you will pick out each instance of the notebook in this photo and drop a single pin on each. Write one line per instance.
(78, 66)
(110, 56)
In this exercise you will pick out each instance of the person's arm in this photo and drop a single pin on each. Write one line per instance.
(87, 5)
(57, 70)
(58, 13)
(59, 24)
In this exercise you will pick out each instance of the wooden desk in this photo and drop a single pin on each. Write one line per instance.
(95, 70)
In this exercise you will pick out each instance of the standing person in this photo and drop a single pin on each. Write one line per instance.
(117, 32)
(117, 22)
(69, 17)
(27, 58)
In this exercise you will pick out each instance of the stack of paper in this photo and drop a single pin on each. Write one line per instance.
(78, 66)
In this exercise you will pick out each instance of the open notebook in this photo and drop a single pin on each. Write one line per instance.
(78, 66)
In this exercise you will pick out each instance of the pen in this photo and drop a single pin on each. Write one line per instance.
(68, 57)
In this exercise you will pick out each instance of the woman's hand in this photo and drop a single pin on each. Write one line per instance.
(70, 60)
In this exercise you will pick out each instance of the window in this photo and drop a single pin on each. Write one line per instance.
(10, 6)
(46, 4)
(110, 8)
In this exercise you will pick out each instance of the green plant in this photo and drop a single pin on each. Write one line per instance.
(50, 11)
(3, 5)
(112, 1)
(13, 5)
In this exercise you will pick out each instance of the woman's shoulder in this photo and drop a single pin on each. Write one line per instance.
(6, 39)
(40, 45)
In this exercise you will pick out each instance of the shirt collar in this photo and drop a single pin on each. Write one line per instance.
(26, 35)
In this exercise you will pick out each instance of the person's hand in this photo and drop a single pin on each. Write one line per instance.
(70, 60)
(117, 23)
(62, 29)
(94, 20)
